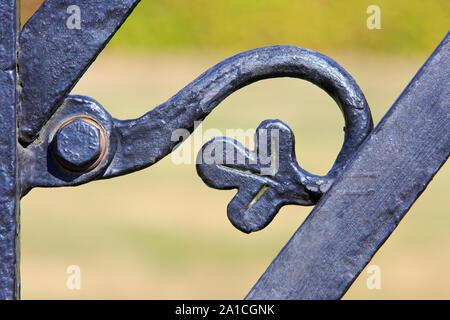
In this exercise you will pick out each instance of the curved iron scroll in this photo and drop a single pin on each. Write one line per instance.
(131, 145)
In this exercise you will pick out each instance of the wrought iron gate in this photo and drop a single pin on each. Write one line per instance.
(50, 139)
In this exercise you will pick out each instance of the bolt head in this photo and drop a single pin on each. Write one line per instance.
(78, 144)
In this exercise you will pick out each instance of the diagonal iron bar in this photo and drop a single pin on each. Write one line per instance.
(367, 202)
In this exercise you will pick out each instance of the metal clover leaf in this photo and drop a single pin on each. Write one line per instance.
(267, 178)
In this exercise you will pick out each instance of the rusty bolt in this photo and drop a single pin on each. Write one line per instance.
(80, 144)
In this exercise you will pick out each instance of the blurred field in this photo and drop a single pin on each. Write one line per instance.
(162, 234)
(406, 25)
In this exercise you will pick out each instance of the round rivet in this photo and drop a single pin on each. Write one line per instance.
(80, 144)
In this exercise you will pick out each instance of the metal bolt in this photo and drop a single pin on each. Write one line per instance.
(80, 144)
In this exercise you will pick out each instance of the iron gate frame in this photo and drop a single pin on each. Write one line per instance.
(53, 139)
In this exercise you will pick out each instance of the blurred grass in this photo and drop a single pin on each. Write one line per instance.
(322, 25)
(161, 233)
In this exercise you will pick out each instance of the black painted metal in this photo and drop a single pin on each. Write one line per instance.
(71, 140)
(367, 202)
(39, 163)
(69, 144)
(137, 144)
(9, 203)
(267, 178)
(53, 57)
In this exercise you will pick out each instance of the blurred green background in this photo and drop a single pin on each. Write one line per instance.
(161, 233)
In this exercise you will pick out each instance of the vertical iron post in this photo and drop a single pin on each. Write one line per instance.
(9, 199)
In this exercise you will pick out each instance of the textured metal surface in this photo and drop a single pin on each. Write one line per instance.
(265, 181)
(79, 144)
(53, 56)
(266, 178)
(146, 140)
(139, 143)
(9, 203)
(39, 164)
(71, 140)
(367, 202)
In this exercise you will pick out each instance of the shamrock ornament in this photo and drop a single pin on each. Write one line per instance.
(267, 178)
